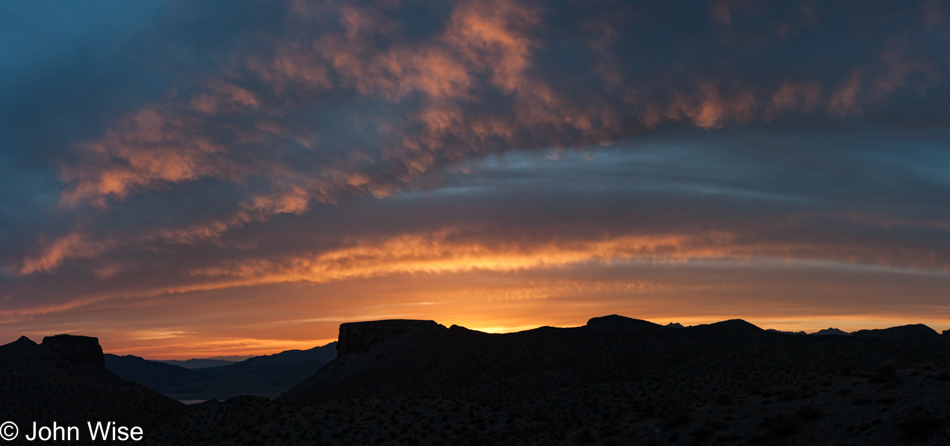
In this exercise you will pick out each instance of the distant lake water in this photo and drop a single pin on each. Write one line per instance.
(190, 402)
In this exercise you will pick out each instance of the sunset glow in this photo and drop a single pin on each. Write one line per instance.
(181, 182)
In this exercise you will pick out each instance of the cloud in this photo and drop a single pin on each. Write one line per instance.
(481, 82)
(331, 143)
(434, 254)
(438, 254)
(55, 252)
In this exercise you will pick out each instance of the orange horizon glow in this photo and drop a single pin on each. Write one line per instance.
(497, 288)
(257, 347)
(495, 164)
(167, 345)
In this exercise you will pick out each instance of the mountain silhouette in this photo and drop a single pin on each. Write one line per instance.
(268, 375)
(199, 363)
(63, 379)
(615, 380)
(425, 359)
(917, 331)
(831, 331)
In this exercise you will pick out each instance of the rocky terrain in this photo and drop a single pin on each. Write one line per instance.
(63, 379)
(433, 361)
(614, 381)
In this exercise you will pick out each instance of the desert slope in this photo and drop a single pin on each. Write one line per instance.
(63, 379)
(423, 359)
(615, 381)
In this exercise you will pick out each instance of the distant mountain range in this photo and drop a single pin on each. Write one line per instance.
(409, 381)
(615, 380)
(905, 331)
(267, 376)
(831, 331)
(202, 363)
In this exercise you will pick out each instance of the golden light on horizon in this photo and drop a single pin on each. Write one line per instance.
(495, 164)
(242, 320)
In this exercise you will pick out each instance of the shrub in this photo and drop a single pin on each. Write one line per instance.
(753, 388)
(783, 426)
(809, 413)
(585, 436)
(723, 399)
(887, 371)
(676, 414)
(919, 424)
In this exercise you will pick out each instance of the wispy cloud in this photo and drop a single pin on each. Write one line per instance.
(52, 253)
(480, 82)
(329, 143)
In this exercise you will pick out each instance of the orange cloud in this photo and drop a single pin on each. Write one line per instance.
(245, 319)
(793, 97)
(442, 252)
(845, 100)
(493, 34)
(227, 128)
(343, 99)
(436, 253)
(148, 149)
(53, 254)
(708, 108)
(225, 96)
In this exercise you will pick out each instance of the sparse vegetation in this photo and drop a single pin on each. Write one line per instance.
(886, 372)
(676, 414)
(809, 412)
(919, 424)
(783, 426)
(714, 403)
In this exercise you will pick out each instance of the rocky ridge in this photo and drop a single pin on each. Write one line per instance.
(614, 380)
(63, 379)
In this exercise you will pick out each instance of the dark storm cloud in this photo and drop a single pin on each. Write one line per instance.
(175, 147)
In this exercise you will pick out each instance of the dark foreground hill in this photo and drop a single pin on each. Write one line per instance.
(424, 359)
(63, 379)
(614, 381)
(266, 376)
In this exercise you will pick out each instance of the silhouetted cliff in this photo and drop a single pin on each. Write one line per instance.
(64, 380)
(76, 349)
(363, 336)
(615, 380)
(422, 358)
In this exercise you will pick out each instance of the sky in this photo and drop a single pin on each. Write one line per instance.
(193, 179)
